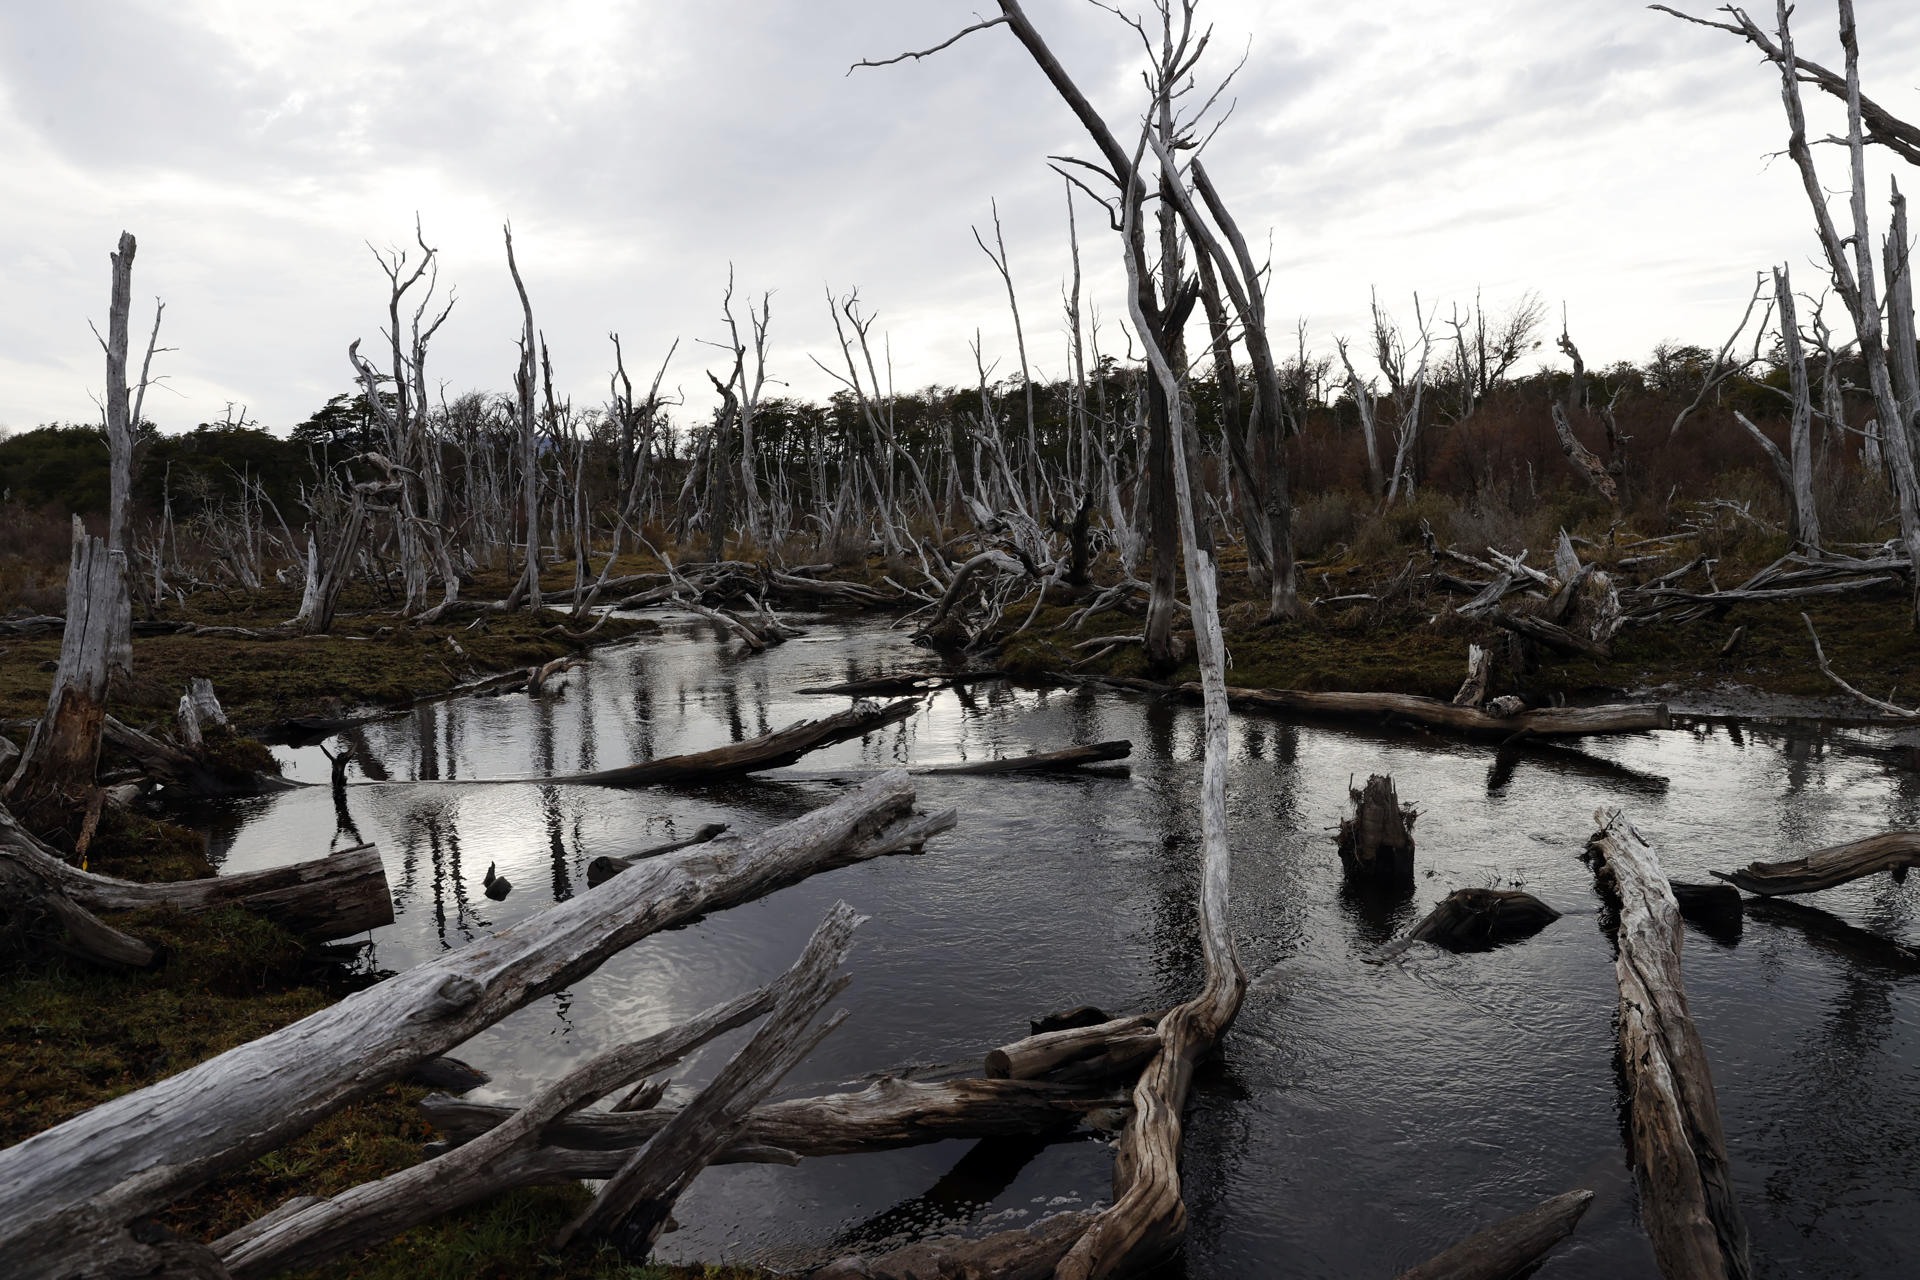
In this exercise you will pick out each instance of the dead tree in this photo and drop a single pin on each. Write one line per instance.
(1893, 851)
(1376, 843)
(122, 417)
(1795, 467)
(1679, 1151)
(1595, 472)
(527, 589)
(56, 767)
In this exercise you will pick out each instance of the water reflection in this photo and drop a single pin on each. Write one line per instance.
(1360, 1117)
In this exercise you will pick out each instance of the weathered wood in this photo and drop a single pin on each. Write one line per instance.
(508, 1154)
(1376, 843)
(1509, 1248)
(1026, 1253)
(1473, 690)
(1687, 1199)
(1046, 1051)
(1479, 919)
(888, 1113)
(37, 917)
(769, 751)
(57, 765)
(199, 711)
(449, 1074)
(907, 683)
(632, 1205)
(606, 866)
(192, 771)
(1042, 761)
(1634, 717)
(68, 1194)
(341, 894)
(1553, 637)
(1824, 868)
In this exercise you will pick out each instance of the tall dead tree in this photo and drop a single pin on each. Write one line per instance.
(527, 589)
(1795, 466)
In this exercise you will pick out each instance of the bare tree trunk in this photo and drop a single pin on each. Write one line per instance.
(527, 590)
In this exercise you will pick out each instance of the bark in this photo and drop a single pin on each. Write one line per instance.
(57, 765)
(1679, 1151)
(1047, 1052)
(1509, 1248)
(37, 917)
(1479, 919)
(336, 896)
(1044, 761)
(1893, 851)
(68, 1194)
(1553, 637)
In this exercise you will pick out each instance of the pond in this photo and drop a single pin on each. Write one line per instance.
(1359, 1117)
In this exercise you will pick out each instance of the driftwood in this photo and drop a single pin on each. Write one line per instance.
(769, 751)
(336, 896)
(1546, 722)
(1112, 1044)
(888, 1113)
(1479, 919)
(1558, 638)
(1376, 843)
(1509, 1248)
(68, 1195)
(609, 865)
(509, 1154)
(1687, 1200)
(1893, 851)
(1043, 761)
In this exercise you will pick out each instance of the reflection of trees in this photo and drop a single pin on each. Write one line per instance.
(430, 823)
(557, 842)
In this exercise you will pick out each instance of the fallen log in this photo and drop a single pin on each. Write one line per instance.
(69, 1195)
(887, 1114)
(312, 1232)
(1687, 1199)
(1557, 638)
(769, 751)
(907, 683)
(37, 917)
(609, 865)
(192, 771)
(1893, 851)
(1376, 843)
(1026, 1253)
(1546, 722)
(336, 896)
(1045, 1052)
(1509, 1248)
(1041, 762)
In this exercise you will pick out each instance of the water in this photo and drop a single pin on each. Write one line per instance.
(1359, 1118)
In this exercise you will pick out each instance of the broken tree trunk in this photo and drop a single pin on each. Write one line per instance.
(199, 712)
(1480, 919)
(311, 1232)
(607, 866)
(1893, 851)
(1473, 690)
(332, 897)
(196, 772)
(1043, 761)
(68, 1195)
(1679, 1151)
(769, 751)
(1376, 843)
(57, 766)
(1509, 1248)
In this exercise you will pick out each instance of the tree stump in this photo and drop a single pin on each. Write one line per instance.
(1376, 843)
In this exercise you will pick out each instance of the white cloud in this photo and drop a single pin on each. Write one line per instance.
(1615, 162)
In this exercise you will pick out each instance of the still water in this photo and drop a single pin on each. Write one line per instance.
(1359, 1117)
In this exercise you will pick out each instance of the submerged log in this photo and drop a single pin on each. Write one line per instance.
(318, 1231)
(341, 894)
(1043, 761)
(1480, 919)
(1376, 843)
(610, 865)
(1509, 1248)
(1635, 717)
(1893, 851)
(1679, 1150)
(769, 751)
(69, 1195)
(907, 683)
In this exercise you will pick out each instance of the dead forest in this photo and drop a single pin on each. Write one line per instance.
(1203, 485)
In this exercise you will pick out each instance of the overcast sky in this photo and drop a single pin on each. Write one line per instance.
(1610, 158)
